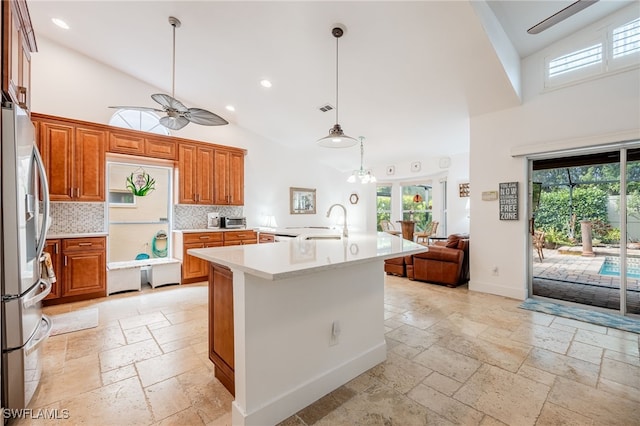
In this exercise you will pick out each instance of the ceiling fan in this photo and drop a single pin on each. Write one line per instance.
(178, 115)
(561, 15)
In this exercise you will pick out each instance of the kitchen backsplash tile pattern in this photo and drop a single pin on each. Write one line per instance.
(186, 216)
(76, 218)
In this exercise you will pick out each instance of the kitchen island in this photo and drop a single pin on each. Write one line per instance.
(293, 320)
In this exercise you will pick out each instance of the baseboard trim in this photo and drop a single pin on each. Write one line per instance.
(293, 401)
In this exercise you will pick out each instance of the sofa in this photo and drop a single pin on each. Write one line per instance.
(446, 262)
(397, 266)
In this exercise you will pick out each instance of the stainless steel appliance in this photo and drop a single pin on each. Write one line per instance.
(24, 327)
(233, 222)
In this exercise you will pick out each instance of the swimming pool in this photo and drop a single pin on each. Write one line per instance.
(611, 267)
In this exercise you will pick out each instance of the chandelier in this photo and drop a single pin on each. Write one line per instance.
(365, 176)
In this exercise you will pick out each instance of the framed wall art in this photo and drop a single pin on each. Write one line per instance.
(302, 201)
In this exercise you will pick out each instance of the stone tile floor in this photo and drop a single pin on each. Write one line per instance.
(573, 278)
(454, 357)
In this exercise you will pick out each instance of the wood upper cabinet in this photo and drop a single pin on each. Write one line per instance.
(18, 43)
(74, 160)
(229, 177)
(127, 142)
(195, 162)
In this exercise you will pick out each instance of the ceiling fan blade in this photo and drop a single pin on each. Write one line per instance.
(204, 117)
(169, 102)
(563, 14)
(174, 123)
(135, 108)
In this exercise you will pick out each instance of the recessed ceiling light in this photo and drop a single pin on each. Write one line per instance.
(265, 83)
(230, 108)
(59, 22)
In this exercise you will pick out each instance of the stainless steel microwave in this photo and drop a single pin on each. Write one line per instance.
(233, 222)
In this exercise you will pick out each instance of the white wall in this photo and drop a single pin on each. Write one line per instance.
(596, 111)
(68, 84)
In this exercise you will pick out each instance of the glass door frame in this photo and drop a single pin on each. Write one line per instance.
(623, 149)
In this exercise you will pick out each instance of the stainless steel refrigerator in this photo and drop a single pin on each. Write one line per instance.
(25, 211)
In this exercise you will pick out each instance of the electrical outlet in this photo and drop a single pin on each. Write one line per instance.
(494, 271)
(335, 333)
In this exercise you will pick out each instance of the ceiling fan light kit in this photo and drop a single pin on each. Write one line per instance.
(561, 15)
(177, 114)
(336, 137)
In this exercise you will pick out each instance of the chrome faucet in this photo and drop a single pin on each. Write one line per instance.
(345, 232)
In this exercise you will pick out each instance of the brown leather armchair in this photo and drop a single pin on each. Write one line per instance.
(396, 265)
(446, 262)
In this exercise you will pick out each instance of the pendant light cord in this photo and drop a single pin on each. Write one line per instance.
(337, 103)
(173, 64)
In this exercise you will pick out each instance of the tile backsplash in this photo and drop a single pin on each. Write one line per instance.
(81, 218)
(76, 218)
(186, 216)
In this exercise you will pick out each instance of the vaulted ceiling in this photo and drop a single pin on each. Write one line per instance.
(411, 73)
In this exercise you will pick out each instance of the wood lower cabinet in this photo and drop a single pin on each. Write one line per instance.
(195, 269)
(81, 269)
(54, 248)
(221, 345)
(265, 237)
(235, 238)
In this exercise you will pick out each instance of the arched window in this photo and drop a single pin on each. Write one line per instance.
(147, 121)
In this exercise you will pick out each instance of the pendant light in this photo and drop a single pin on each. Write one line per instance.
(336, 137)
(365, 176)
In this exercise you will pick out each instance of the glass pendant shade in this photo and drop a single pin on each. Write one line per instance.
(365, 176)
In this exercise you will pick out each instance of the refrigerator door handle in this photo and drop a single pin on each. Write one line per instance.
(35, 343)
(45, 287)
(45, 201)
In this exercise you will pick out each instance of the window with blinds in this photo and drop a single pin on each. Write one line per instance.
(573, 61)
(626, 39)
(611, 49)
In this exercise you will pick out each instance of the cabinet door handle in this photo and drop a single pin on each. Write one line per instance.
(85, 244)
(55, 248)
(204, 237)
(65, 261)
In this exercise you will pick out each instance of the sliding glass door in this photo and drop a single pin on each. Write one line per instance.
(585, 218)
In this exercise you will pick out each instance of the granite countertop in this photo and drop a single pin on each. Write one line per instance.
(52, 236)
(301, 256)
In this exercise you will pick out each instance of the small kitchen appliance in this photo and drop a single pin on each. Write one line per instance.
(233, 222)
(213, 220)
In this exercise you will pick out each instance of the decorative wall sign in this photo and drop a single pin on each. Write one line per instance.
(463, 189)
(509, 201)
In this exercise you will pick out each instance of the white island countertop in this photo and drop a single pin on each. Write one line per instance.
(302, 256)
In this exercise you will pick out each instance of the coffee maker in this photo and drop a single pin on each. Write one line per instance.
(213, 220)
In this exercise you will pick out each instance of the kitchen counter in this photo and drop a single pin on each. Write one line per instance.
(310, 251)
(83, 235)
(292, 321)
